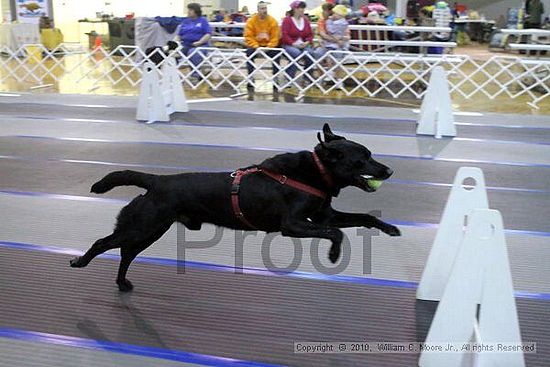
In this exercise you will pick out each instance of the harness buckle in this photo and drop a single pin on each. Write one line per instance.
(283, 179)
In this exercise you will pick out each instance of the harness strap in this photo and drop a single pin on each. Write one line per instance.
(282, 179)
(324, 173)
(235, 188)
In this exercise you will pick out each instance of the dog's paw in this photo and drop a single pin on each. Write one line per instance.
(77, 262)
(392, 231)
(125, 285)
(334, 253)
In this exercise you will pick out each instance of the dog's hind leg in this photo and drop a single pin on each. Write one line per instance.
(100, 246)
(115, 240)
(128, 222)
(127, 255)
(131, 249)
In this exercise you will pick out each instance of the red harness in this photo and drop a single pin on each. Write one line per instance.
(282, 179)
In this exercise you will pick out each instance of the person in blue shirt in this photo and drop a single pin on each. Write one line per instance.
(194, 32)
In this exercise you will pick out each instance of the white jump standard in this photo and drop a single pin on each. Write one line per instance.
(158, 99)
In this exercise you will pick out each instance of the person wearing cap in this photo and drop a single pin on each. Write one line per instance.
(337, 36)
(262, 30)
(322, 23)
(337, 27)
(325, 37)
(297, 37)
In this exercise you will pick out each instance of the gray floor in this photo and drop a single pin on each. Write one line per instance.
(52, 148)
(248, 317)
(35, 354)
(363, 124)
(391, 259)
(106, 103)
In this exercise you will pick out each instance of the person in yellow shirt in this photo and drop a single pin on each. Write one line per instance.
(262, 30)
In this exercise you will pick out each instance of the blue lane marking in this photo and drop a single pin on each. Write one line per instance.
(64, 197)
(345, 131)
(491, 188)
(247, 270)
(152, 142)
(456, 160)
(522, 127)
(114, 164)
(222, 268)
(527, 233)
(238, 147)
(499, 141)
(519, 232)
(123, 202)
(107, 346)
(210, 169)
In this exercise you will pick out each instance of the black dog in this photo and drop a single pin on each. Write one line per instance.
(157, 54)
(284, 193)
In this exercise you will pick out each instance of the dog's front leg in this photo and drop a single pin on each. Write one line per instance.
(334, 218)
(304, 229)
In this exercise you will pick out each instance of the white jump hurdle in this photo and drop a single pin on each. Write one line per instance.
(158, 99)
(436, 113)
(480, 275)
(468, 265)
(461, 202)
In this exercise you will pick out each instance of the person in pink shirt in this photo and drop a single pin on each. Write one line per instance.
(297, 37)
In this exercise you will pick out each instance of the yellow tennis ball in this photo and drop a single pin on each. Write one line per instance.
(374, 184)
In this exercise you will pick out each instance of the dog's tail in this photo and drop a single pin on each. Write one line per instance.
(123, 178)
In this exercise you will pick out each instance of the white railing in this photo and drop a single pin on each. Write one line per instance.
(362, 35)
(351, 73)
(528, 40)
(380, 42)
(352, 27)
(527, 32)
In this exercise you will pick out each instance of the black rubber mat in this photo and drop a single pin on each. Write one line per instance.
(251, 317)
(397, 201)
(223, 118)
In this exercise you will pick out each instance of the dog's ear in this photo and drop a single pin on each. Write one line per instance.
(329, 135)
(172, 45)
(329, 153)
(320, 140)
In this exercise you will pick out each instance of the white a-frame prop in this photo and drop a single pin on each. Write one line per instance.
(172, 87)
(480, 274)
(461, 202)
(158, 99)
(436, 113)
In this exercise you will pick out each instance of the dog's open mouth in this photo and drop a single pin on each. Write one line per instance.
(368, 183)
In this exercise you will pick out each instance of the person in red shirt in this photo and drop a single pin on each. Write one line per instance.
(297, 37)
